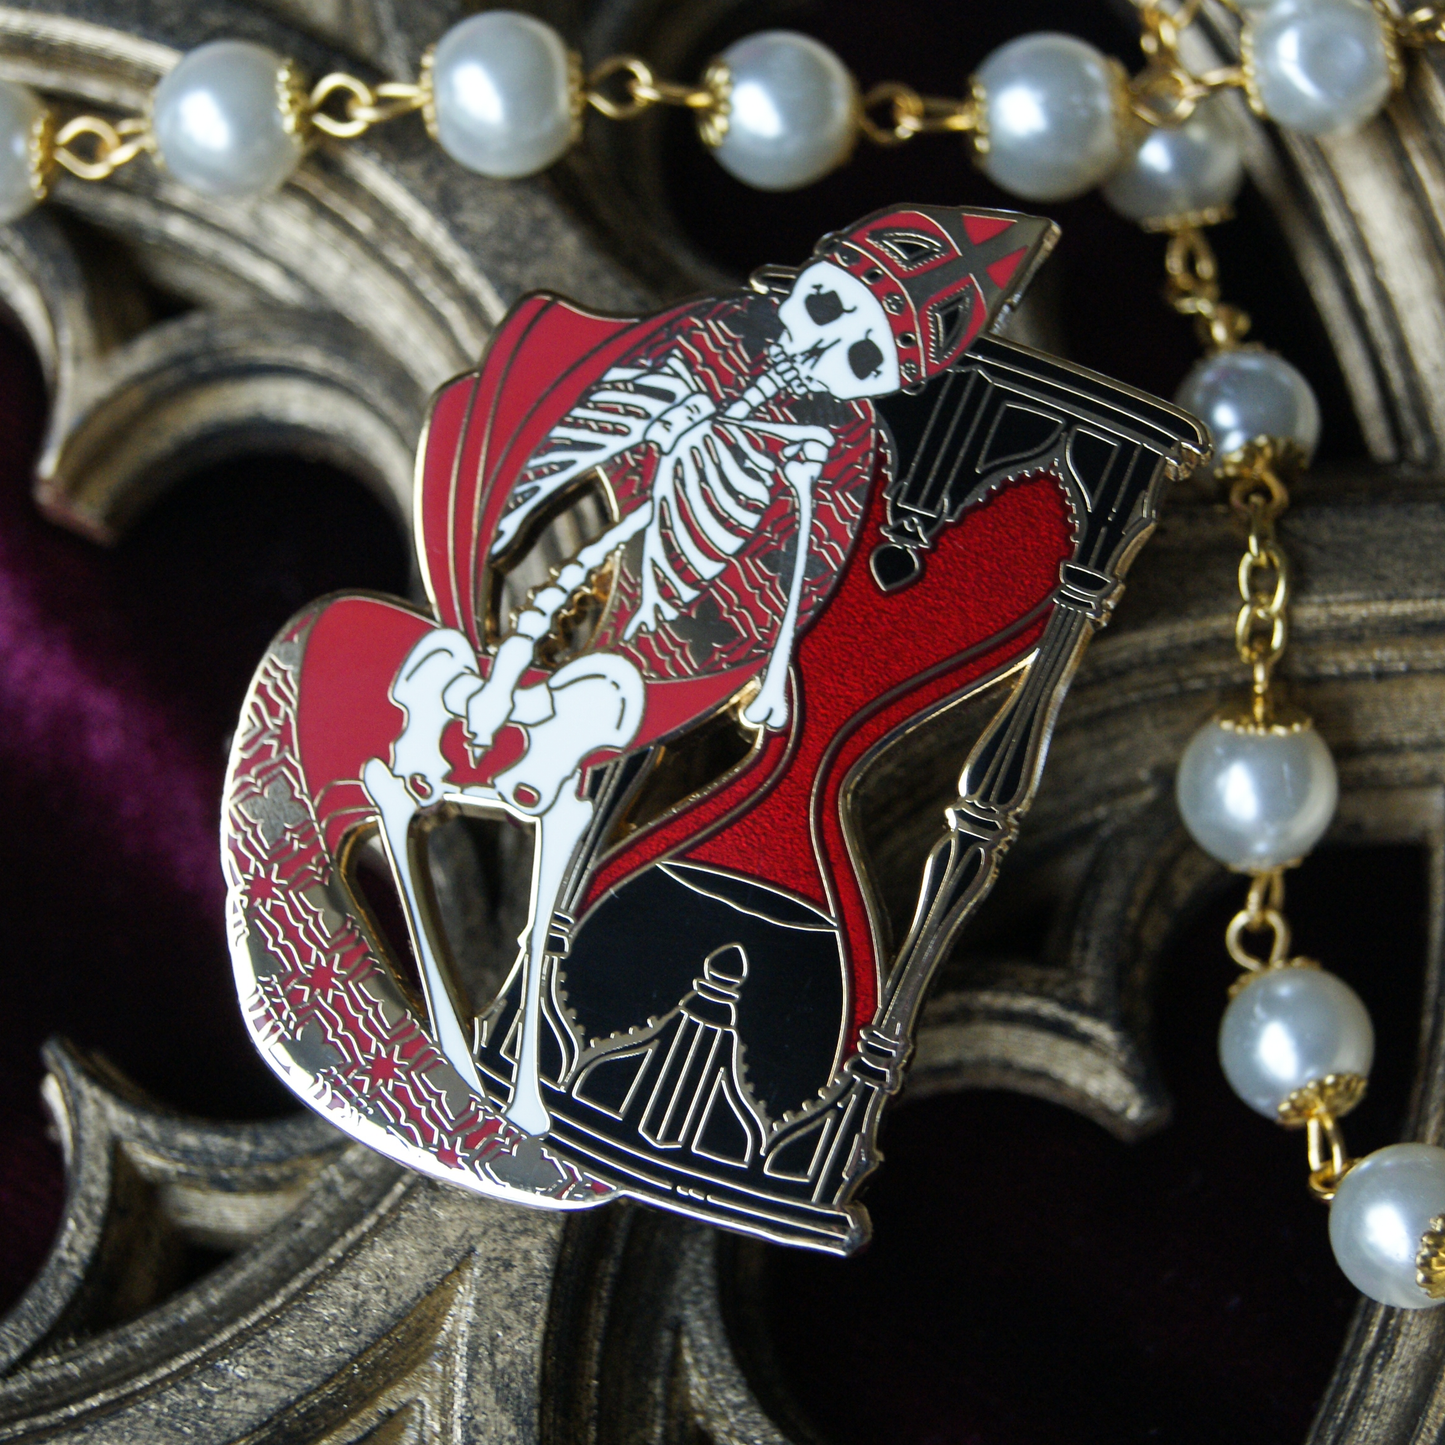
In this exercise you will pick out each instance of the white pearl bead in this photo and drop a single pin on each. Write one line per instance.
(20, 112)
(504, 94)
(792, 111)
(1050, 111)
(1289, 1027)
(1249, 393)
(219, 124)
(1378, 1219)
(1179, 170)
(1320, 65)
(1256, 800)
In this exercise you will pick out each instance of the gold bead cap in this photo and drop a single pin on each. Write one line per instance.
(1335, 1094)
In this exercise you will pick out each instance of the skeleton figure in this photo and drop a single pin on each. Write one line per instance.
(851, 329)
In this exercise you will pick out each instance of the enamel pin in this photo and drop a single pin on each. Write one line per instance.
(688, 576)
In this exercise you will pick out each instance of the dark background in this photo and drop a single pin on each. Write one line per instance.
(1032, 1279)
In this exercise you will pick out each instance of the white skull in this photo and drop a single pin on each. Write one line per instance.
(837, 334)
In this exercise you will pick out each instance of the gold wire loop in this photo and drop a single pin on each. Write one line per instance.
(1266, 890)
(1322, 1134)
(1161, 28)
(105, 147)
(1425, 26)
(643, 89)
(912, 114)
(363, 106)
(1266, 918)
(1257, 495)
(1163, 96)
(1166, 92)
(906, 120)
(638, 73)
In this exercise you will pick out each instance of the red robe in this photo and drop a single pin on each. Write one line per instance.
(862, 667)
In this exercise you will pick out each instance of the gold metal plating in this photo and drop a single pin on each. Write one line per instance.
(41, 155)
(1266, 919)
(105, 148)
(581, 616)
(427, 91)
(1168, 225)
(913, 114)
(1192, 287)
(1245, 979)
(1282, 722)
(1335, 1094)
(642, 90)
(576, 93)
(362, 105)
(1430, 1261)
(712, 121)
(1258, 496)
(1390, 34)
(1425, 26)
(1166, 92)
(978, 93)
(1263, 912)
(291, 99)
(1329, 1161)
(1249, 76)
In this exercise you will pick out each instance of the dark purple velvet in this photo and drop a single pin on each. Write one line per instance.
(121, 677)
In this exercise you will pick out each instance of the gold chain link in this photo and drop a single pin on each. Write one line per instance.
(1261, 912)
(642, 90)
(1166, 92)
(1322, 1131)
(105, 147)
(363, 105)
(1425, 26)
(1261, 629)
(1192, 288)
(1258, 496)
(912, 114)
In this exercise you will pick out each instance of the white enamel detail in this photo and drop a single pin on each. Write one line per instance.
(593, 702)
(821, 351)
(718, 468)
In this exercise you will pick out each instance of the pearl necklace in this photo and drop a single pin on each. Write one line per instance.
(1048, 117)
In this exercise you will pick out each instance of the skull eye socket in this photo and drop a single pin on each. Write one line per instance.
(823, 307)
(865, 358)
